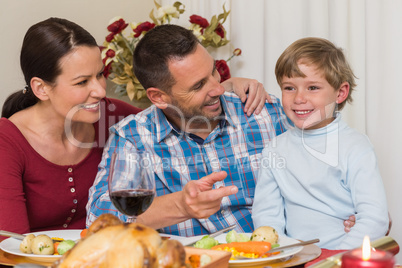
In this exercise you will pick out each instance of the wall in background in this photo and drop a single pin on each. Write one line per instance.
(17, 16)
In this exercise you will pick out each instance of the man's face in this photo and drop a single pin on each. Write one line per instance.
(195, 96)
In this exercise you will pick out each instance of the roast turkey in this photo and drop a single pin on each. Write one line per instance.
(111, 243)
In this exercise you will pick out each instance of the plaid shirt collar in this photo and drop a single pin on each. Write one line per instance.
(165, 128)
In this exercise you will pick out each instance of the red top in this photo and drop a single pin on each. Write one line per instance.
(36, 194)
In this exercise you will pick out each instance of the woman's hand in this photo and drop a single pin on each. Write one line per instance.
(257, 95)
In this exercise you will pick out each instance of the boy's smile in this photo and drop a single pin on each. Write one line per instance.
(310, 101)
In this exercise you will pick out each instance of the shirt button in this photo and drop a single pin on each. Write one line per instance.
(73, 210)
(72, 190)
(70, 170)
(69, 218)
(223, 211)
(65, 225)
(75, 201)
(70, 179)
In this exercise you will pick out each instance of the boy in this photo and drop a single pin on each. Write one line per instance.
(325, 170)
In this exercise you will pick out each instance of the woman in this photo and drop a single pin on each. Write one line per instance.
(53, 131)
(52, 141)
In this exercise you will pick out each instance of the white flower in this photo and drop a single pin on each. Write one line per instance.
(171, 11)
(166, 13)
(116, 51)
(197, 31)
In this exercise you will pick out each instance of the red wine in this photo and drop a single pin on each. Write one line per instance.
(132, 202)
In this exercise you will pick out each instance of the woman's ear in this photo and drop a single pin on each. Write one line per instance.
(39, 88)
(158, 97)
(343, 92)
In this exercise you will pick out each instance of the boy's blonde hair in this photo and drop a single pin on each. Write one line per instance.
(321, 53)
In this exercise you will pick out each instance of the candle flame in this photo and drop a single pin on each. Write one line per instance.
(366, 249)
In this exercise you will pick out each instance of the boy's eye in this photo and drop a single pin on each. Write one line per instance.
(288, 88)
(313, 88)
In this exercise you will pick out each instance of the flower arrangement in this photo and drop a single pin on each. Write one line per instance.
(118, 48)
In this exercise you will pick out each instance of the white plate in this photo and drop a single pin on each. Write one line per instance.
(282, 241)
(286, 254)
(12, 245)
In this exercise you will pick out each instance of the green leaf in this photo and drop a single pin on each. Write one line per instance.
(151, 15)
(223, 15)
(177, 5)
(216, 39)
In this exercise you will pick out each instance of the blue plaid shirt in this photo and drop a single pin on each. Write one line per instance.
(234, 146)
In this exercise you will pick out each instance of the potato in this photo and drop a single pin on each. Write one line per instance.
(25, 246)
(265, 233)
(42, 245)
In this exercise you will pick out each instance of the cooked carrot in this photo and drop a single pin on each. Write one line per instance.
(257, 247)
(195, 260)
(83, 233)
(55, 244)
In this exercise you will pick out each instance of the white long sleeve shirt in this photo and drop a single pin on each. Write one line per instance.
(310, 181)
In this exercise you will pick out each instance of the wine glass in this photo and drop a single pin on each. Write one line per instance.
(131, 182)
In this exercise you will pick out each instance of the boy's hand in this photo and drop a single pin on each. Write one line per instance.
(349, 223)
(257, 95)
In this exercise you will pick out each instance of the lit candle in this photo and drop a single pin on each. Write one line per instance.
(367, 257)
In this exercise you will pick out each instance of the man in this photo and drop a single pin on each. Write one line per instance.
(206, 149)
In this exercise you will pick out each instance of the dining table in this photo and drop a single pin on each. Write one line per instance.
(309, 255)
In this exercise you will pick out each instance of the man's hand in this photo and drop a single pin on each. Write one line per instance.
(257, 95)
(200, 201)
(349, 223)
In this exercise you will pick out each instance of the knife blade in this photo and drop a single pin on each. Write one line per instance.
(21, 236)
(308, 242)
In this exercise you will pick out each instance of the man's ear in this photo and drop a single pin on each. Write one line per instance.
(158, 97)
(343, 92)
(39, 88)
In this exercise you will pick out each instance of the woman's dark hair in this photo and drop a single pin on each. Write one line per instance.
(156, 48)
(45, 43)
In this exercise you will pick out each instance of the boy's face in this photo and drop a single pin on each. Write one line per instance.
(310, 101)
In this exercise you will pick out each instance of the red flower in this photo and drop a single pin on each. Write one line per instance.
(237, 52)
(223, 69)
(108, 70)
(143, 27)
(117, 26)
(220, 30)
(110, 53)
(110, 37)
(199, 20)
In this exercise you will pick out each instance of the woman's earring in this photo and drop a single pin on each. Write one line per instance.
(25, 89)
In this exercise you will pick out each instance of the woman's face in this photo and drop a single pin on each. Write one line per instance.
(80, 86)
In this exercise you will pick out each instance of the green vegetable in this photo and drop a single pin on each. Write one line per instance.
(64, 246)
(206, 242)
(233, 236)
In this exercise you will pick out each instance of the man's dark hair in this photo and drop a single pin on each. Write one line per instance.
(156, 48)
